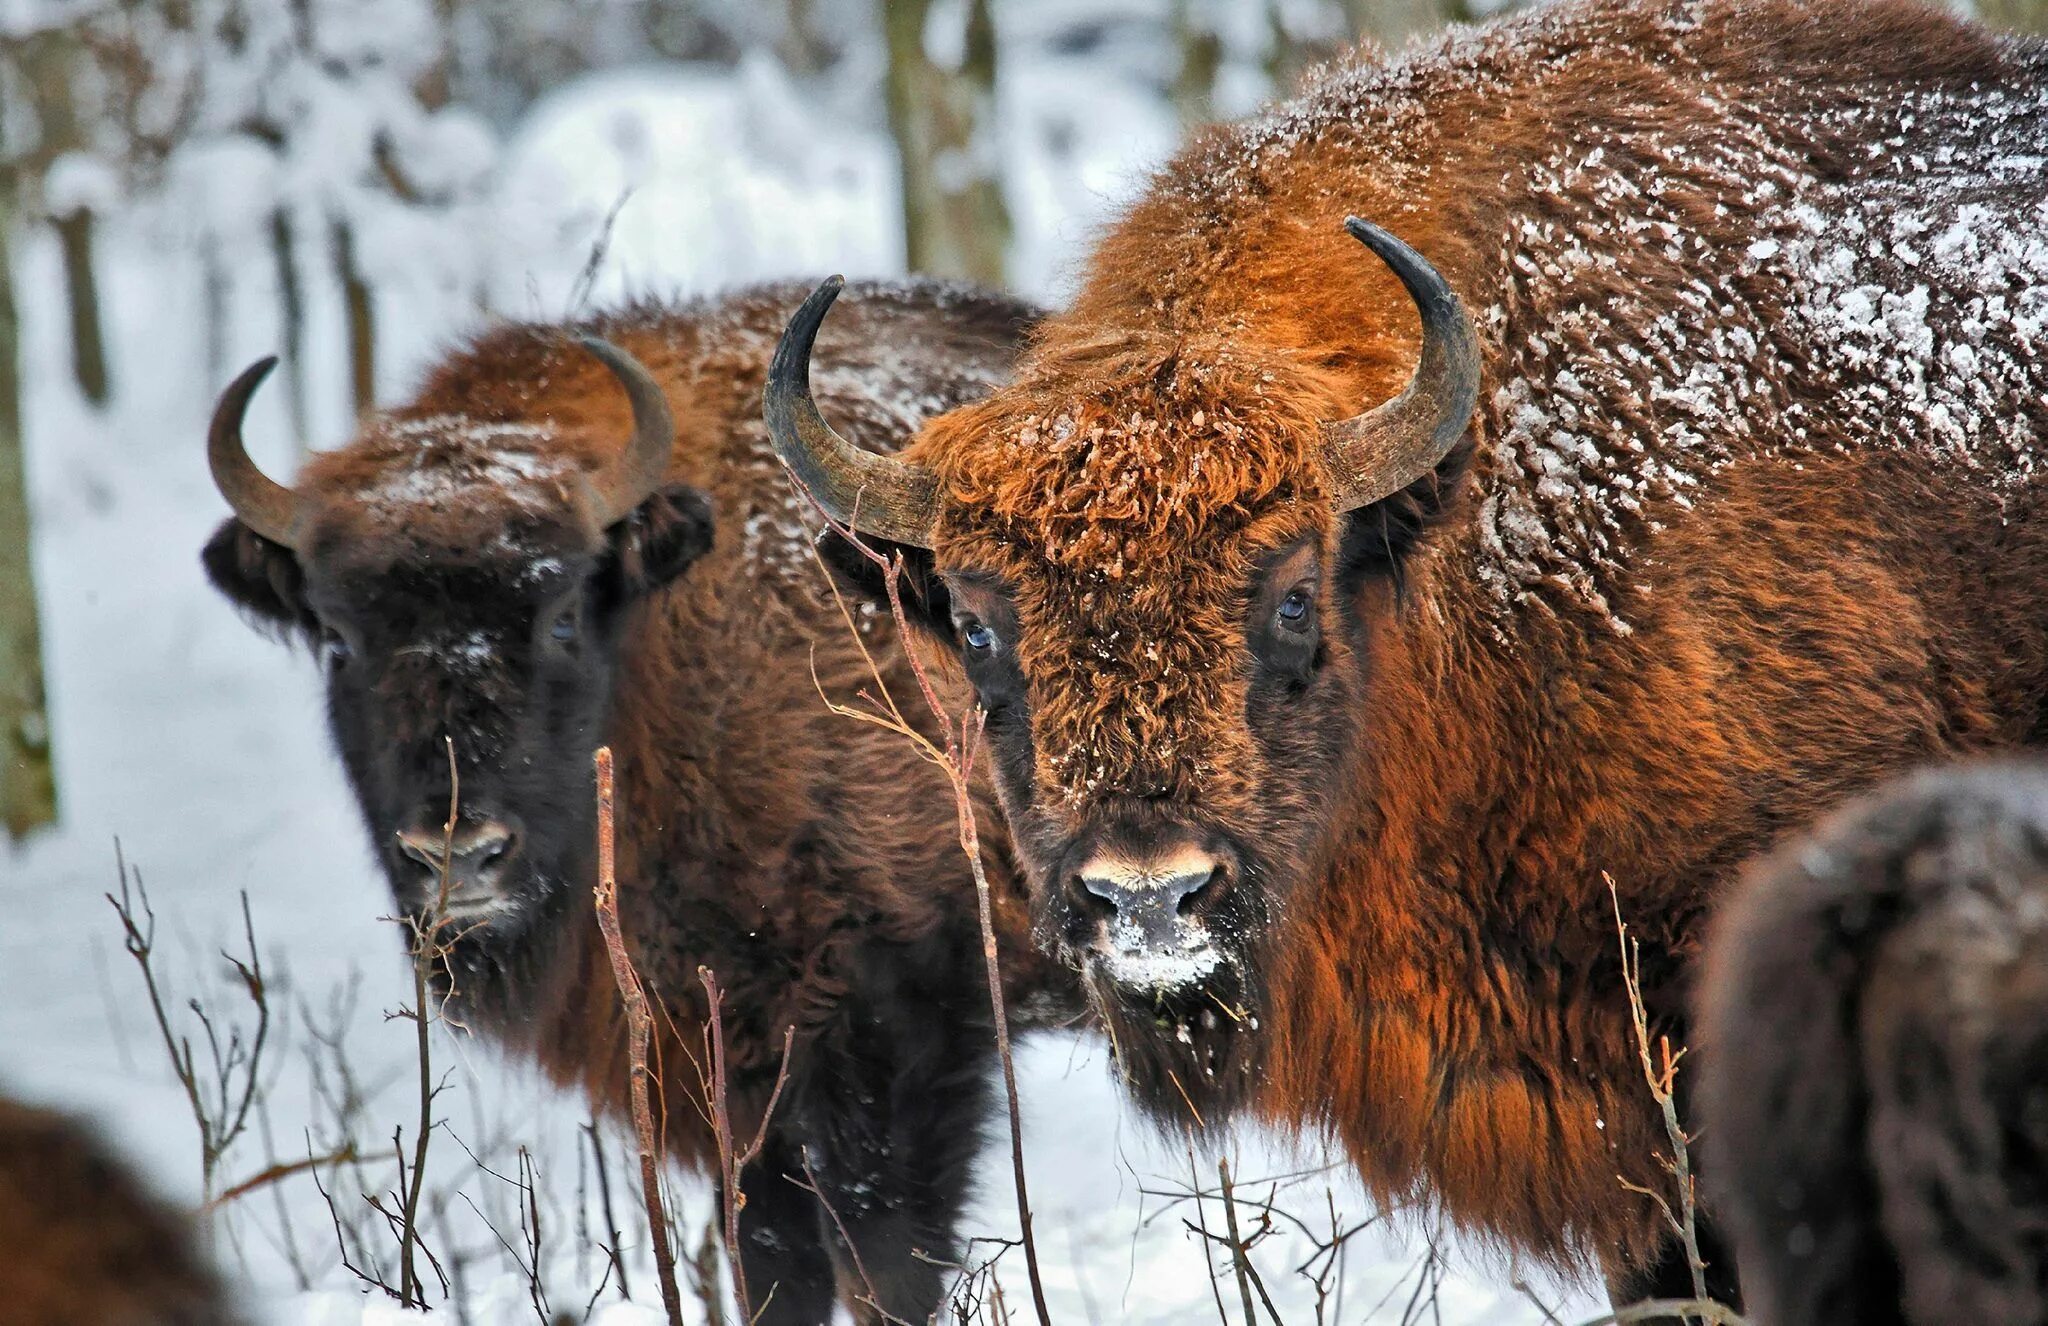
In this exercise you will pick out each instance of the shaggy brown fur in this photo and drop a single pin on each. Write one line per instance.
(761, 835)
(1745, 522)
(82, 1241)
(1876, 1006)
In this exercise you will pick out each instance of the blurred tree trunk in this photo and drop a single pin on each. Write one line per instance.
(1200, 52)
(1393, 22)
(955, 222)
(28, 783)
(362, 318)
(88, 343)
(292, 318)
(2019, 15)
(213, 306)
(50, 64)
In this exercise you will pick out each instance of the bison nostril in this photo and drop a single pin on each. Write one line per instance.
(487, 849)
(1207, 887)
(1093, 893)
(469, 855)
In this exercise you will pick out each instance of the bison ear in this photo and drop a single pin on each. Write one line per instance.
(1378, 537)
(926, 603)
(260, 577)
(659, 541)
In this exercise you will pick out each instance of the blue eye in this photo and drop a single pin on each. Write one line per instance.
(979, 637)
(1294, 608)
(564, 628)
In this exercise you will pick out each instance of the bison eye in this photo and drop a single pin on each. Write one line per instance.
(979, 638)
(1293, 612)
(336, 647)
(564, 628)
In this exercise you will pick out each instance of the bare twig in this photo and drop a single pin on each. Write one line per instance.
(220, 1099)
(611, 1224)
(733, 1159)
(281, 1170)
(703, 1267)
(1662, 1075)
(956, 759)
(429, 948)
(1240, 1251)
(638, 1025)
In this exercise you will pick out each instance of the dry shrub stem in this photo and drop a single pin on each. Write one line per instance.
(429, 947)
(1660, 1071)
(611, 1223)
(638, 1026)
(956, 760)
(278, 1172)
(1240, 1251)
(732, 1159)
(221, 1097)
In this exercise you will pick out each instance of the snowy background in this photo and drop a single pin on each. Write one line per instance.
(725, 147)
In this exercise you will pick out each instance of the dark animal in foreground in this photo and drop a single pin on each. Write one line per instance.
(1876, 1096)
(521, 561)
(1346, 615)
(82, 1241)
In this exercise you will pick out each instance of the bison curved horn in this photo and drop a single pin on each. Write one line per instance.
(634, 476)
(879, 495)
(1380, 452)
(258, 501)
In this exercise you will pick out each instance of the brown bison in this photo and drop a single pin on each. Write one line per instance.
(1322, 705)
(1876, 1002)
(82, 1241)
(524, 562)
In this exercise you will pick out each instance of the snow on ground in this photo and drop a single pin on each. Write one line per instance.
(198, 745)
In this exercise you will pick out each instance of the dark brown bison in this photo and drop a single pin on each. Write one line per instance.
(552, 547)
(82, 1241)
(1344, 618)
(1876, 1002)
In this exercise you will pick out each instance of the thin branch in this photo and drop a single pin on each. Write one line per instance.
(278, 1172)
(638, 1025)
(733, 1160)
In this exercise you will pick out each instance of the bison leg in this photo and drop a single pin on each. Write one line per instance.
(894, 1113)
(790, 1275)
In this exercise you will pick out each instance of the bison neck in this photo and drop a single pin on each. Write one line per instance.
(1480, 1049)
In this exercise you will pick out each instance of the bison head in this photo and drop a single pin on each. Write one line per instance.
(1157, 561)
(465, 583)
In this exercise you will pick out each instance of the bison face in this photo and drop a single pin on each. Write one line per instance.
(469, 587)
(1161, 556)
(484, 657)
(1173, 748)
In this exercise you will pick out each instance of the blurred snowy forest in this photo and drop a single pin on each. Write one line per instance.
(188, 184)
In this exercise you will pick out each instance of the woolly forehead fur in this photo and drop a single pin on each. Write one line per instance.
(487, 458)
(1129, 511)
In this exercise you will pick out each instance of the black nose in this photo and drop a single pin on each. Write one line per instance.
(474, 856)
(1150, 895)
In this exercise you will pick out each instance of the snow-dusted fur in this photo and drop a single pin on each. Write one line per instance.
(458, 590)
(1747, 519)
(82, 1241)
(1876, 1010)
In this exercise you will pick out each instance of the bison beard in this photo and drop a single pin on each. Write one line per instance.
(488, 566)
(1744, 518)
(1876, 1007)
